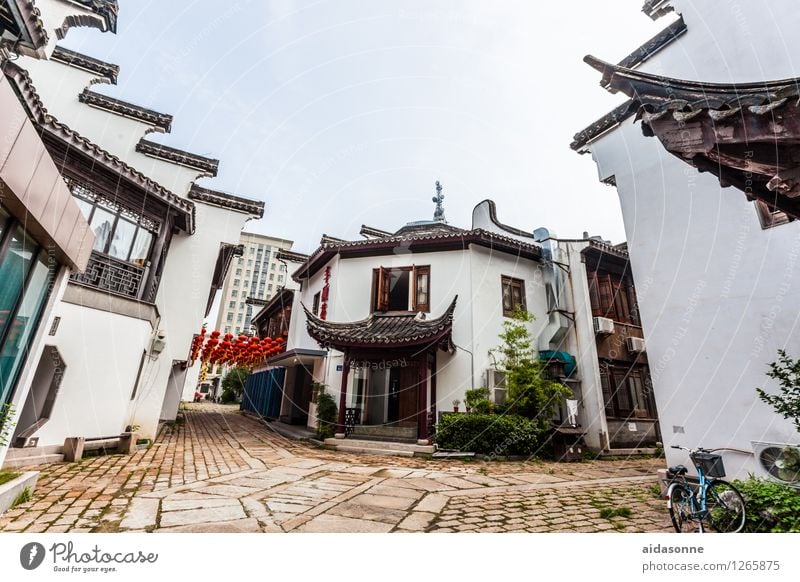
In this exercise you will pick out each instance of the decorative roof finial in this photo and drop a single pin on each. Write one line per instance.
(438, 215)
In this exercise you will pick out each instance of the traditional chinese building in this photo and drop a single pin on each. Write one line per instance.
(399, 325)
(116, 354)
(701, 154)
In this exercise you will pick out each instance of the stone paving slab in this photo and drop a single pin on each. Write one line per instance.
(200, 516)
(142, 513)
(338, 524)
(364, 511)
(247, 525)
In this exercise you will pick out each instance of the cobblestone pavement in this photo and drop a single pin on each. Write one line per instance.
(221, 471)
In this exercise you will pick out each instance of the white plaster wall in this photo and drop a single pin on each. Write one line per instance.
(185, 284)
(54, 12)
(582, 344)
(102, 352)
(59, 85)
(718, 294)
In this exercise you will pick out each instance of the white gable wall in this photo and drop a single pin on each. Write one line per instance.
(717, 293)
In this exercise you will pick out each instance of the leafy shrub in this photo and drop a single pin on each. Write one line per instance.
(227, 397)
(770, 506)
(327, 415)
(490, 434)
(477, 400)
(787, 372)
(234, 382)
(529, 391)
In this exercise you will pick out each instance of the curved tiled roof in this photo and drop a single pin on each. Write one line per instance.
(225, 200)
(657, 95)
(162, 121)
(419, 238)
(384, 330)
(80, 61)
(209, 166)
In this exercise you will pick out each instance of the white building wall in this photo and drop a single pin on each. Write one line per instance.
(102, 352)
(582, 344)
(717, 293)
(183, 294)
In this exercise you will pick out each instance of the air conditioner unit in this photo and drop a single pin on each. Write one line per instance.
(634, 344)
(603, 326)
(496, 382)
(781, 461)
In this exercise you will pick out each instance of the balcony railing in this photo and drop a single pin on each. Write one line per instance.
(115, 276)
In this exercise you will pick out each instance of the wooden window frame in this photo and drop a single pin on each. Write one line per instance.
(381, 277)
(617, 382)
(511, 283)
(316, 303)
(613, 297)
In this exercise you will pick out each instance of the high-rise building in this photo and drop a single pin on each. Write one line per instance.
(256, 274)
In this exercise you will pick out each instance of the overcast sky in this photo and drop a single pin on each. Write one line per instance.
(343, 112)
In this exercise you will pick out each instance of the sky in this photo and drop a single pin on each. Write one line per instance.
(339, 113)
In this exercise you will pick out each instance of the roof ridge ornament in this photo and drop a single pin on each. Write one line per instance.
(438, 215)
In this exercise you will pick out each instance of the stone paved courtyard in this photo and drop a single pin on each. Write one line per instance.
(221, 471)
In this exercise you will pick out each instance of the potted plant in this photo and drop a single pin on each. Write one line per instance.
(456, 402)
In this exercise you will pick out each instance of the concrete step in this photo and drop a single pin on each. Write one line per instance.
(628, 452)
(42, 459)
(379, 447)
(369, 451)
(382, 431)
(15, 453)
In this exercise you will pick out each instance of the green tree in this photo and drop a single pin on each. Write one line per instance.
(233, 383)
(529, 392)
(787, 402)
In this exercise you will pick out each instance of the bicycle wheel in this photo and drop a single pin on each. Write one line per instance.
(680, 510)
(725, 508)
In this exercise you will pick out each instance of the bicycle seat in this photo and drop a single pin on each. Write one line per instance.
(675, 471)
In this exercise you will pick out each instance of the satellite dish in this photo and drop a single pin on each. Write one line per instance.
(782, 462)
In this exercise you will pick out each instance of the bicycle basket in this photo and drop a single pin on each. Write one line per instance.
(710, 464)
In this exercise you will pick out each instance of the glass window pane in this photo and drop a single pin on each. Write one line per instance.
(15, 346)
(122, 239)
(141, 247)
(422, 289)
(102, 225)
(507, 304)
(13, 271)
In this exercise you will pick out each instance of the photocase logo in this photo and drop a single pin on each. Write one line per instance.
(32, 555)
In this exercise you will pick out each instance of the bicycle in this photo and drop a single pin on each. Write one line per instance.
(710, 505)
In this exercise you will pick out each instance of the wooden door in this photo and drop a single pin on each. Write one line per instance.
(409, 383)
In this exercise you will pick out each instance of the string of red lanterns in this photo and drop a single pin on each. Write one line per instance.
(249, 351)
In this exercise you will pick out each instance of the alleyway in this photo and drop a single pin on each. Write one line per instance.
(221, 471)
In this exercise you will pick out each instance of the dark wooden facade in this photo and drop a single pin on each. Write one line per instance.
(624, 374)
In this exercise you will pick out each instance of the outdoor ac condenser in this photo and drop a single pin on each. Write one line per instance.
(603, 326)
(635, 345)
